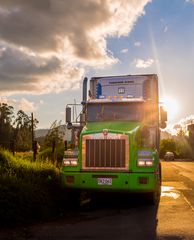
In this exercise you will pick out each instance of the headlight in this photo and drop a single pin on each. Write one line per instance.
(66, 162)
(145, 162)
(70, 157)
(150, 163)
(73, 162)
(141, 163)
(70, 162)
(145, 159)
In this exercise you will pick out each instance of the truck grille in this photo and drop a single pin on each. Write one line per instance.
(105, 153)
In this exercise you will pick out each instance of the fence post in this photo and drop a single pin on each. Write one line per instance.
(53, 150)
(33, 144)
(12, 147)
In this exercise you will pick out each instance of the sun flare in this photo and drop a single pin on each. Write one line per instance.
(171, 106)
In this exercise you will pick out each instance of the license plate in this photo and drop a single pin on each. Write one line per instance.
(104, 181)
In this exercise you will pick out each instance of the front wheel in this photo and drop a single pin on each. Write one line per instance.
(154, 197)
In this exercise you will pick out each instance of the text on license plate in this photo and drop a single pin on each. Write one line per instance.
(104, 181)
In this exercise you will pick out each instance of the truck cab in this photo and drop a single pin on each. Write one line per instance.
(117, 140)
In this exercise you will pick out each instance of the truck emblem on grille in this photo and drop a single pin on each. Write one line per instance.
(105, 133)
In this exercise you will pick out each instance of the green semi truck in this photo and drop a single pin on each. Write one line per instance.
(116, 137)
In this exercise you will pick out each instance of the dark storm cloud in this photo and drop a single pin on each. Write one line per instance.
(20, 71)
(19, 63)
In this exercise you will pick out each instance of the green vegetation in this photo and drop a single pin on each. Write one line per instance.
(52, 148)
(179, 145)
(15, 130)
(16, 135)
(28, 190)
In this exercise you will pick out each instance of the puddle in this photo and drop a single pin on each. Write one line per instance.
(168, 191)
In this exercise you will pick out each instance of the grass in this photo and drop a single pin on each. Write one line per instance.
(47, 155)
(28, 190)
(25, 155)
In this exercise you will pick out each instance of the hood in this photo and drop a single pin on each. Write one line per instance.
(119, 127)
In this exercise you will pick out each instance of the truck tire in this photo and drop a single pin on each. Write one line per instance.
(71, 199)
(154, 197)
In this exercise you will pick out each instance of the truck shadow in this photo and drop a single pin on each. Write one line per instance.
(121, 216)
(105, 216)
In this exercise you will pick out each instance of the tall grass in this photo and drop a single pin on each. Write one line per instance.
(24, 155)
(48, 155)
(28, 190)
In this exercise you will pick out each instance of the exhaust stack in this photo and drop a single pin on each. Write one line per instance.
(85, 90)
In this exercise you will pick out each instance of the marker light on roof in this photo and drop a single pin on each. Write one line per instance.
(101, 97)
(130, 96)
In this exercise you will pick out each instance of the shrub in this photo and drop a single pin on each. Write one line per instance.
(25, 155)
(28, 190)
(179, 146)
(47, 155)
(167, 145)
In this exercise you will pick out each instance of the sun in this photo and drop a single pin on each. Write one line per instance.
(171, 106)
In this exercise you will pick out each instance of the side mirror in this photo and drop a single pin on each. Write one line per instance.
(69, 126)
(68, 115)
(163, 117)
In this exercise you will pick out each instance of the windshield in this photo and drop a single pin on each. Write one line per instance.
(115, 112)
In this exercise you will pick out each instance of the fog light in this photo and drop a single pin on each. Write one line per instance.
(143, 180)
(70, 179)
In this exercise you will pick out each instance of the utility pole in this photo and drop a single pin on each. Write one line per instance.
(32, 129)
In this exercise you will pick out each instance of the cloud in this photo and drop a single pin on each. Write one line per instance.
(181, 125)
(137, 44)
(187, 120)
(165, 29)
(21, 71)
(190, 1)
(124, 50)
(140, 63)
(27, 106)
(47, 45)
(22, 104)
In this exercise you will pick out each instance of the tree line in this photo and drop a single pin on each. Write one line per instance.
(181, 145)
(15, 129)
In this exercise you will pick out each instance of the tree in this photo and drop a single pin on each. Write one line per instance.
(15, 132)
(183, 149)
(23, 131)
(181, 133)
(6, 128)
(167, 145)
(55, 142)
(54, 134)
(178, 145)
(6, 113)
(22, 120)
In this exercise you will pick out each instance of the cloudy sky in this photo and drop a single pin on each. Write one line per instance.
(48, 46)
